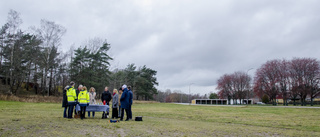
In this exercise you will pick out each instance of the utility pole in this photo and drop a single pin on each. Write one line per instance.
(249, 87)
(189, 93)
(180, 96)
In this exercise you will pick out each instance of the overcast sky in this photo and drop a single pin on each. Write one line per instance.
(185, 41)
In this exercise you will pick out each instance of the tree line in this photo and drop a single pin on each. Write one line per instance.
(29, 57)
(178, 96)
(294, 80)
(32, 60)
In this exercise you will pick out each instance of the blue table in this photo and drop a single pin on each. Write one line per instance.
(96, 108)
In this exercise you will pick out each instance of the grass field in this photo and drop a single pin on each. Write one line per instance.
(45, 119)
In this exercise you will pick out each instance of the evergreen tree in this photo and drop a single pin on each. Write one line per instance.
(91, 68)
(145, 83)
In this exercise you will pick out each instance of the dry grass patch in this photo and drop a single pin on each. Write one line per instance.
(32, 98)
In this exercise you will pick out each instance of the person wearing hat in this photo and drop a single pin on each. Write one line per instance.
(124, 102)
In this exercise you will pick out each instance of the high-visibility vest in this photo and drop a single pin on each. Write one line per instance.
(84, 97)
(71, 94)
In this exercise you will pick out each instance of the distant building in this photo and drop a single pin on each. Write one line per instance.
(220, 101)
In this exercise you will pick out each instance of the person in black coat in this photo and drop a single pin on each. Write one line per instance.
(106, 96)
(65, 102)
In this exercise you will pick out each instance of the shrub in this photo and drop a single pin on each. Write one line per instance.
(265, 98)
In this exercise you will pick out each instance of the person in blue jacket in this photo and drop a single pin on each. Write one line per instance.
(124, 102)
(130, 102)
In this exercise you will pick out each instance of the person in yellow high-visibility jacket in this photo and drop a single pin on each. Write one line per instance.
(71, 98)
(84, 101)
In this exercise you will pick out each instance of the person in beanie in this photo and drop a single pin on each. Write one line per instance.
(115, 104)
(84, 101)
(130, 102)
(120, 94)
(124, 102)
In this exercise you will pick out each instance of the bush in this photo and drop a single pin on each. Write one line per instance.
(265, 99)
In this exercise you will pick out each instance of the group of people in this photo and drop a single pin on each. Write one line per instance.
(121, 101)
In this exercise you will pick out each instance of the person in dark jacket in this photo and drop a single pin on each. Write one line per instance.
(65, 102)
(124, 102)
(130, 102)
(106, 96)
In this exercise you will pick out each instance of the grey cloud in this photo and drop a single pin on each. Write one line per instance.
(186, 41)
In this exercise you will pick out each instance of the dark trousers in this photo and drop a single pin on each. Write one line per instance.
(130, 112)
(65, 112)
(109, 106)
(75, 111)
(92, 113)
(83, 112)
(119, 113)
(114, 112)
(122, 113)
(70, 109)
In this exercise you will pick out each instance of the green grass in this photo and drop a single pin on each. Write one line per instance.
(45, 119)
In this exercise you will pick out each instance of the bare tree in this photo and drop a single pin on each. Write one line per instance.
(50, 33)
(234, 86)
(13, 23)
(94, 44)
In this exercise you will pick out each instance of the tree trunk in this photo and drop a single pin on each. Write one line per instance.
(43, 82)
(11, 69)
(29, 75)
(55, 82)
(50, 82)
(35, 79)
(1, 59)
(11, 87)
(18, 85)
